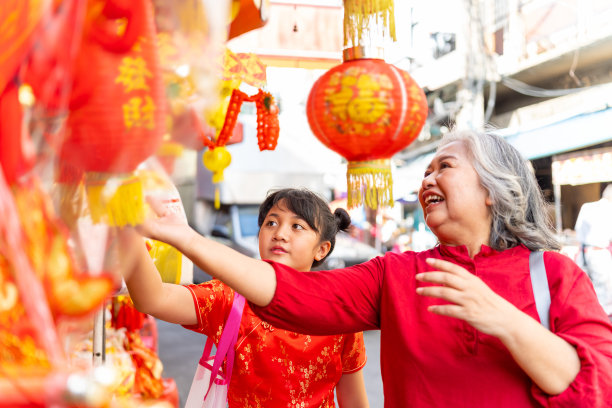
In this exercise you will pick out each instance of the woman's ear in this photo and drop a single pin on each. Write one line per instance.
(322, 250)
(488, 201)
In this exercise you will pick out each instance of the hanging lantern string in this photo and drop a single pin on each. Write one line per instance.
(358, 15)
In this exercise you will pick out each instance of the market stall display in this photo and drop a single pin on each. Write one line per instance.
(85, 101)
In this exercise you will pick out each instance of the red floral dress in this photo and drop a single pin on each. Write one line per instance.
(274, 367)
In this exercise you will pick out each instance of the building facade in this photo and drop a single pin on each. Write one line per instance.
(539, 71)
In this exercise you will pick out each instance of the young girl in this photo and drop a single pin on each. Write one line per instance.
(273, 367)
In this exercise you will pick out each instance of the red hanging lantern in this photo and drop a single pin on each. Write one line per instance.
(117, 108)
(367, 110)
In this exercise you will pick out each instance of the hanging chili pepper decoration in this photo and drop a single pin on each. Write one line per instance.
(217, 157)
(267, 121)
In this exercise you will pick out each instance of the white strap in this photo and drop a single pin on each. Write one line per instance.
(539, 283)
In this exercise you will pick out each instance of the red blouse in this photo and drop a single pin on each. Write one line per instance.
(274, 367)
(434, 361)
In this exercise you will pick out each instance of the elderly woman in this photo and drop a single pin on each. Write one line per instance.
(459, 323)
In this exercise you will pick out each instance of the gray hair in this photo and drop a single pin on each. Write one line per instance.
(518, 208)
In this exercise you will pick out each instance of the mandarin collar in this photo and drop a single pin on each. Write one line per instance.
(460, 252)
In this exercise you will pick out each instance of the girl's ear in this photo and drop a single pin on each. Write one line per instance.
(322, 250)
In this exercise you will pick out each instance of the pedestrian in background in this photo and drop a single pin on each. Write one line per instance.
(594, 232)
(273, 367)
(459, 322)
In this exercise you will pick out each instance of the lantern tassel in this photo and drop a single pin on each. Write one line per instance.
(361, 15)
(116, 202)
(369, 182)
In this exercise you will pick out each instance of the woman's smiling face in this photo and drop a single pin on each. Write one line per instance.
(455, 204)
(286, 238)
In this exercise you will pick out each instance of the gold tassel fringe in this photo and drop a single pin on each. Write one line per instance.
(369, 182)
(116, 201)
(359, 14)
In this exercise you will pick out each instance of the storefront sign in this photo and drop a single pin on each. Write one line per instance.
(591, 166)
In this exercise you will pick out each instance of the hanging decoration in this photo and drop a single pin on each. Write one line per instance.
(360, 17)
(248, 15)
(117, 110)
(191, 34)
(198, 92)
(29, 343)
(237, 69)
(217, 157)
(366, 110)
(39, 287)
(40, 282)
(21, 21)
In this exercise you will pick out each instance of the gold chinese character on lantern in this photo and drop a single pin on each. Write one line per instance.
(370, 105)
(139, 112)
(360, 99)
(133, 74)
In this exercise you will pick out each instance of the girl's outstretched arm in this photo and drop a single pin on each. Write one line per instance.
(252, 278)
(165, 301)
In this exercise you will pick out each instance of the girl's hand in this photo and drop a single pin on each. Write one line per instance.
(469, 297)
(165, 225)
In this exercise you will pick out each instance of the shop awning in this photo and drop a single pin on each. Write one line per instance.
(573, 133)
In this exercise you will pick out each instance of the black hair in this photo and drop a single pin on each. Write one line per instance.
(311, 208)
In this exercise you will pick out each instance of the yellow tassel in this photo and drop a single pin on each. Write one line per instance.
(369, 182)
(117, 201)
(360, 14)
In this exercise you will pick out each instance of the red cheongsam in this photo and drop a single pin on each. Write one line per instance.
(274, 367)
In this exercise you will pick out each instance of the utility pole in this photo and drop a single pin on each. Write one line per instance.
(470, 97)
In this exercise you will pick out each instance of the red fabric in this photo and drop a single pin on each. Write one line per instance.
(436, 361)
(273, 367)
(16, 150)
(20, 20)
(117, 100)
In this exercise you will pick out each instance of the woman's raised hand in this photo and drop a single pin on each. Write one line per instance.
(469, 298)
(548, 359)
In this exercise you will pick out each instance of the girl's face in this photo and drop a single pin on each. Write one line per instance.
(455, 204)
(286, 238)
